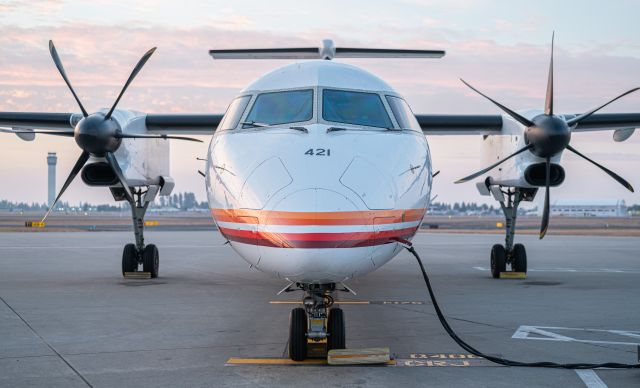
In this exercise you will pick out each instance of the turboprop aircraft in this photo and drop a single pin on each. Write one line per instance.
(318, 169)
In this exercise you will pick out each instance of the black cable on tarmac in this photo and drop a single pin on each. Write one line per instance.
(502, 361)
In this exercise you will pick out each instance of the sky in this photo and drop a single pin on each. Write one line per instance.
(501, 47)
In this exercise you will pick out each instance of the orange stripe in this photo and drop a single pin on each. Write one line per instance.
(267, 217)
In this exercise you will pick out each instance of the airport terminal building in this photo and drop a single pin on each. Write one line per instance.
(590, 208)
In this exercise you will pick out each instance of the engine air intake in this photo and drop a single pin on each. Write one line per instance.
(535, 174)
(99, 174)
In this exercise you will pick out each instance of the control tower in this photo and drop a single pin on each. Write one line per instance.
(52, 159)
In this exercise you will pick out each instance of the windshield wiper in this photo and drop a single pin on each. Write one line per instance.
(254, 124)
(335, 129)
(301, 129)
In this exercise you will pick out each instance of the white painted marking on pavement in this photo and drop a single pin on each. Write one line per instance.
(590, 378)
(549, 334)
(577, 270)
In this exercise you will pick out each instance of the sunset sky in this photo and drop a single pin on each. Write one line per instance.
(502, 47)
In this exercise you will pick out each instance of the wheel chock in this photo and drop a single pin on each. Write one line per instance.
(358, 356)
(137, 275)
(513, 275)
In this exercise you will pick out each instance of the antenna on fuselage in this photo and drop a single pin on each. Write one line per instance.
(326, 51)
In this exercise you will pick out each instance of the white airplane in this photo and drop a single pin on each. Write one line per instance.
(318, 169)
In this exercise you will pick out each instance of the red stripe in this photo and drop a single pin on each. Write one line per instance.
(317, 240)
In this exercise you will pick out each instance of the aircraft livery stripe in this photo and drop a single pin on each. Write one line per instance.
(317, 228)
(367, 217)
(317, 240)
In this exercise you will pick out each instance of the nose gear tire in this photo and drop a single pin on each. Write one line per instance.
(335, 329)
(298, 334)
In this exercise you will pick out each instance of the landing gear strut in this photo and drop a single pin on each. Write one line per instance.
(135, 254)
(510, 254)
(317, 321)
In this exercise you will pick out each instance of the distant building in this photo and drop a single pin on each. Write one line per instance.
(589, 208)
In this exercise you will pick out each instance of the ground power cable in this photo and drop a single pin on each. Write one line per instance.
(498, 360)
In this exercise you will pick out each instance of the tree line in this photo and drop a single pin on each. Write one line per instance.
(178, 201)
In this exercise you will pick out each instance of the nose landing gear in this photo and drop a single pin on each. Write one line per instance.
(316, 323)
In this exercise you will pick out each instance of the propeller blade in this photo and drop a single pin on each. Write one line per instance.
(545, 212)
(111, 159)
(612, 174)
(74, 171)
(577, 120)
(57, 133)
(58, 62)
(548, 102)
(133, 75)
(477, 174)
(136, 136)
(522, 120)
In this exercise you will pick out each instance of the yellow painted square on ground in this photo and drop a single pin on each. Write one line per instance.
(513, 275)
(137, 275)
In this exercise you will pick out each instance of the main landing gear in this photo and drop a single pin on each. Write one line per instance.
(318, 321)
(510, 254)
(138, 254)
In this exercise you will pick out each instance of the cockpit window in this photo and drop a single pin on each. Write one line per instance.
(404, 115)
(234, 113)
(357, 108)
(282, 107)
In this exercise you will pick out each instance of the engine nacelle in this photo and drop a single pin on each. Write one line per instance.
(535, 174)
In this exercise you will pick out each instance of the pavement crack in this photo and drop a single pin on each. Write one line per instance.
(47, 343)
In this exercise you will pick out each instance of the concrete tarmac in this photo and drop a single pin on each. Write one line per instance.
(68, 318)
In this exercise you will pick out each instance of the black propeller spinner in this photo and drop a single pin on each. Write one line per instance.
(547, 135)
(98, 134)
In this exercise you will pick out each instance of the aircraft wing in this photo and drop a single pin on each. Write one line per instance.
(607, 121)
(460, 124)
(186, 124)
(203, 124)
(493, 124)
(33, 120)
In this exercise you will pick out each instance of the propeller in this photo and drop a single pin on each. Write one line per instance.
(546, 136)
(98, 134)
